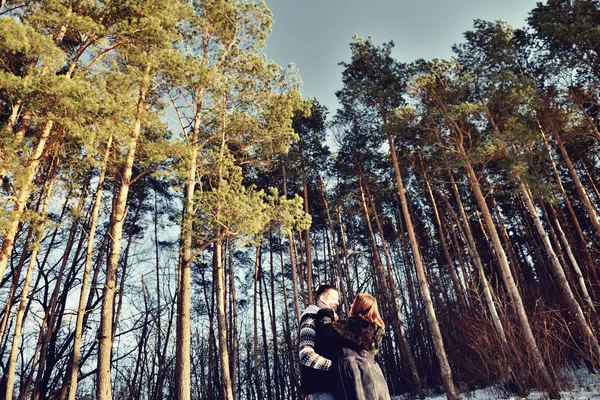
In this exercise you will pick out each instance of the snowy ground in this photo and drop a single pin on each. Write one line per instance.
(584, 386)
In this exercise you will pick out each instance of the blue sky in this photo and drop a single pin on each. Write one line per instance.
(315, 34)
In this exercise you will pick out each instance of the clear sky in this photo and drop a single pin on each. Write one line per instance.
(315, 34)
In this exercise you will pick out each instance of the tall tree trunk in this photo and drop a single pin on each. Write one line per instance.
(8, 239)
(233, 318)
(278, 378)
(135, 391)
(287, 331)
(451, 393)
(157, 390)
(388, 287)
(183, 343)
(261, 292)
(574, 219)
(105, 341)
(256, 366)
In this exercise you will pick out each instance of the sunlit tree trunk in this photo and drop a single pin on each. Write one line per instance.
(583, 195)
(21, 197)
(103, 388)
(567, 202)
(233, 365)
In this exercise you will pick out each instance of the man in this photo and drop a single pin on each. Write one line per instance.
(316, 381)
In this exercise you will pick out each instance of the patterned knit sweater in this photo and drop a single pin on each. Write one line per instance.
(308, 355)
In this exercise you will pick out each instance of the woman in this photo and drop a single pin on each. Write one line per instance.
(354, 342)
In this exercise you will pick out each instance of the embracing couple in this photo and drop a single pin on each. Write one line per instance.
(337, 355)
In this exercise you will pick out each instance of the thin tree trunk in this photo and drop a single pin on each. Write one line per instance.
(222, 321)
(336, 254)
(158, 388)
(453, 275)
(567, 201)
(278, 378)
(573, 260)
(261, 292)
(234, 323)
(134, 390)
(345, 253)
(38, 235)
(583, 195)
(563, 283)
(307, 246)
(74, 366)
(474, 254)
(256, 366)
(299, 257)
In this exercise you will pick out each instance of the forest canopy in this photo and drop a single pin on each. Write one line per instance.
(169, 202)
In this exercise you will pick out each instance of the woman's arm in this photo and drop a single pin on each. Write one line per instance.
(324, 324)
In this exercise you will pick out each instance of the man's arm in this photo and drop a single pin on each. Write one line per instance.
(308, 356)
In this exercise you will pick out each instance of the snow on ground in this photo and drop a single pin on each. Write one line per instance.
(584, 386)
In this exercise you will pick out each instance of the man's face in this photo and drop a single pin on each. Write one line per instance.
(331, 298)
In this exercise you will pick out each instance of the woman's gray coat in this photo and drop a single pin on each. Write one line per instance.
(353, 344)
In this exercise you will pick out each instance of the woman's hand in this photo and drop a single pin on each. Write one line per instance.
(325, 316)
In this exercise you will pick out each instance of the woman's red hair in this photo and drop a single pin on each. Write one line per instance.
(365, 305)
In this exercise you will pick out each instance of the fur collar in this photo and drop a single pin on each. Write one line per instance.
(360, 332)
